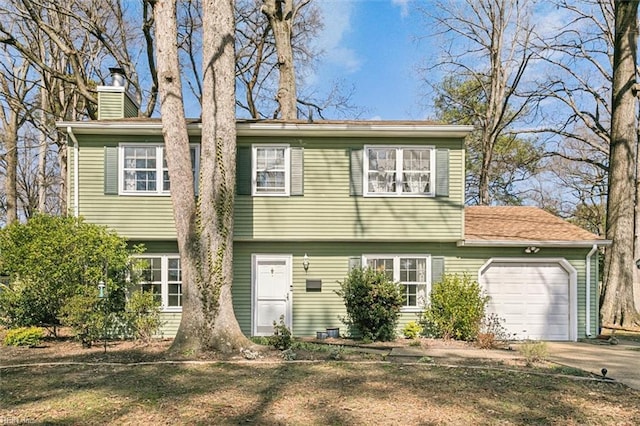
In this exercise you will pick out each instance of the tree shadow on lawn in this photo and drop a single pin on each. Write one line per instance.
(306, 393)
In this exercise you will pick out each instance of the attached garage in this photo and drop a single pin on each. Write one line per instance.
(536, 298)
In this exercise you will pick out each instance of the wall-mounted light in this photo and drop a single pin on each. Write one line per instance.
(532, 249)
(305, 262)
(101, 287)
(638, 263)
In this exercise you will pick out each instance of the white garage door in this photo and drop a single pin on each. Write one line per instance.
(532, 298)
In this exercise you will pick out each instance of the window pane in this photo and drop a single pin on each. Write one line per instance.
(175, 295)
(174, 273)
(381, 177)
(270, 170)
(382, 265)
(413, 269)
(411, 295)
(416, 165)
(139, 173)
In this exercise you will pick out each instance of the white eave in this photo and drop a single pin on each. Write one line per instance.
(335, 129)
(536, 243)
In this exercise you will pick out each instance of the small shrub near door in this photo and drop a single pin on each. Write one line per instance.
(412, 330)
(456, 309)
(373, 304)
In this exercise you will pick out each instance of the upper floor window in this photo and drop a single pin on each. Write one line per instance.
(144, 169)
(399, 170)
(271, 169)
(409, 270)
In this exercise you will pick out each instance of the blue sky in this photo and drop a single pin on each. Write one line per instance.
(373, 46)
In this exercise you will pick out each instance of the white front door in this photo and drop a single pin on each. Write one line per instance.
(271, 292)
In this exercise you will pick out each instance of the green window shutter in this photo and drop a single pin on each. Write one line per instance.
(297, 171)
(111, 170)
(355, 178)
(243, 171)
(442, 173)
(437, 269)
(355, 262)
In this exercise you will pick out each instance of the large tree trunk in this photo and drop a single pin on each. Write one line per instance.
(280, 15)
(617, 304)
(204, 231)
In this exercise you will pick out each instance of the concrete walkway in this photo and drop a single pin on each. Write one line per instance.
(622, 361)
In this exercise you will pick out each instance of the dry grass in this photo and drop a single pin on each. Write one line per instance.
(281, 393)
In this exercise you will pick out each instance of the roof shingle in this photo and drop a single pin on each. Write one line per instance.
(518, 223)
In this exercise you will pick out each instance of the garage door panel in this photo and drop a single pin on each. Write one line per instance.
(532, 298)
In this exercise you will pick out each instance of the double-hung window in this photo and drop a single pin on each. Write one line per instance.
(144, 169)
(404, 170)
(271, 169)
(162, 276)
(411, 271)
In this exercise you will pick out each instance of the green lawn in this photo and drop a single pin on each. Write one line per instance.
(306, 393)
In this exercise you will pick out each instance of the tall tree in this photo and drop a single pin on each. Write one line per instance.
(489, 43)
(15, 88)
(573, 87)
(281, 16)
(617, 303)
(204, 229)
(515, 158)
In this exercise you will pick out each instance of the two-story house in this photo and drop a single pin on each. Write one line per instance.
(316, 199)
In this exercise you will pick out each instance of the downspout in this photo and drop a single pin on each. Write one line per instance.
(76, 170)
(587, 310)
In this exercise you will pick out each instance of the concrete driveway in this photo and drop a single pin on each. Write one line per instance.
(622, 361)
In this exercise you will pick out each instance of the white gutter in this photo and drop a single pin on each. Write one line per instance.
(536, 243)
(587, 311)
(76, 170)
(335, 129)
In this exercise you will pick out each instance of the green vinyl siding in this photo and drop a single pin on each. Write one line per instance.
(115, 104)
(328, 211)
(110, 105)
(329, 262)
(130, 108)
(170, 323)
(155, 215)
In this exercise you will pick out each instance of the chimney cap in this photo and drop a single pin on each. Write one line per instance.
(117, 76)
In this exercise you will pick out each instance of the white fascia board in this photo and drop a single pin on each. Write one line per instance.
(536, 243)
(118, 127)
(279, 129)
(366, 129)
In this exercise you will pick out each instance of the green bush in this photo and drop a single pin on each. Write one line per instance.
(456, 309)
(85, 314)
(281, 338)
(412, 330)
(373, 304)
(51, 259)
(142, 314)
(24, 336)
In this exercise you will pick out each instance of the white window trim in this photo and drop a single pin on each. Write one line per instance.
(396, 274)
(164, 279)
(287, 170)
(399, 193)
(159, 169)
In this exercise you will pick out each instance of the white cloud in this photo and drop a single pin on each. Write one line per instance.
(337, 23)
(404, 7)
